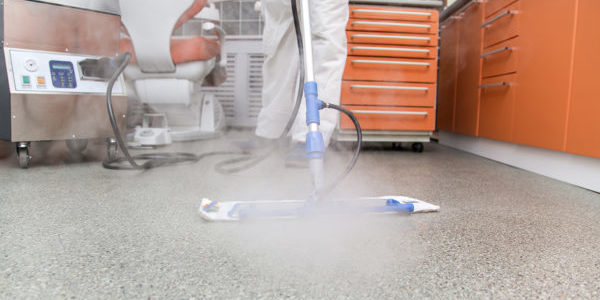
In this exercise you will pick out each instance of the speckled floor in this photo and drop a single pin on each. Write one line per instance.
(75, 230)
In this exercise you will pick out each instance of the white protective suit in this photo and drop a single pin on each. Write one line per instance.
(328, 23)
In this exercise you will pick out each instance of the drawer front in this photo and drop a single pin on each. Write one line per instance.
(391, 51)
(501, 26)
(500, 59)
(391, 118)
(497, 108)
(391, 26)
(493, 6)
(383, 38)
(390, 69)
(390, 94)
(393, 13)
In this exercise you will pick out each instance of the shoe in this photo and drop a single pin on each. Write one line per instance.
(297, 157)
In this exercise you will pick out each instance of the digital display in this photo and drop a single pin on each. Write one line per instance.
(63, 74)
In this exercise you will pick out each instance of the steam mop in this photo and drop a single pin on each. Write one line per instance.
(315, 150)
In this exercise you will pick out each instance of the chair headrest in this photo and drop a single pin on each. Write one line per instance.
(150, 24)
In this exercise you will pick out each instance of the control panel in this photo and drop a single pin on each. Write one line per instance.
(49, 72)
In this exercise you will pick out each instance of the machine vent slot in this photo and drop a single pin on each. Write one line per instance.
(241, 94)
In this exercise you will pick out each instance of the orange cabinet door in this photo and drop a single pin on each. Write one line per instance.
(544, 69)
(583, 134)
(493, 6)
(393, 13)
(496, 117)
(391, 51)
(391, 118)
(388, 93)
(447, 74)
(384, 38)
(502, 26)
(390, 69)
(469, 71)
(392, 26)
(500, 59)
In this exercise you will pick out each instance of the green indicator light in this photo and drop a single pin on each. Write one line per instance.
(26, 80)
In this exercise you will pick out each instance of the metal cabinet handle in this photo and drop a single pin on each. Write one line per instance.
(399, 37)
(496, 51)
(387, 62)
(391, 49)
(391, 24)
(387, 112)
(387, 87)
(397, 12)
(498, 17)
(495, 84)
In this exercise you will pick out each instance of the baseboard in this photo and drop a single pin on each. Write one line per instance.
(575, 169)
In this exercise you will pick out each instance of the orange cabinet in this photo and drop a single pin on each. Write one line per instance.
(447, 73)
(469, 70)
(583, 134)
(390, 79)
(502, 26)
(544, 72)
(496, 116)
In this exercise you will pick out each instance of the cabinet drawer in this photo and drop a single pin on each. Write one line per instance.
(497, 108)
(391, 51)
(501, 26)
(391, 26)
(393, 13)
(385, 93)
(500, 59)
(391, 38)
(391, 118)
(390, 69)
(493, 6)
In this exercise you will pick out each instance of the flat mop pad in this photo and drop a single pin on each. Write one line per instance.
(214, 211)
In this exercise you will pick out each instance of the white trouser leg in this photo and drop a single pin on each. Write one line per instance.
(328, 23)
(280, 68)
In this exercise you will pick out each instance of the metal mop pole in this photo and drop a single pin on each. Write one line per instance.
(315, 145)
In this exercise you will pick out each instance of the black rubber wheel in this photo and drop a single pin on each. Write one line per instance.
(417, 147)
(23, 157)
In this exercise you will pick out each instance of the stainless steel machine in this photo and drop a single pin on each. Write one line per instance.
(44, 92)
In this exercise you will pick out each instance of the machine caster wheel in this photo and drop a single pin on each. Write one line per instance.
(77, 146)
(417, 147)
(23, 155)
(112, 149)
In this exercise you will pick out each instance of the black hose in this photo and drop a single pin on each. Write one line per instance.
(359, 138)
(152, 160)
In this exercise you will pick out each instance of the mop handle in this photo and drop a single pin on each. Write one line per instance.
(315, 145)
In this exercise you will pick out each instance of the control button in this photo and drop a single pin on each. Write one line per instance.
(31, 65)
(26, 80)
(41, 80)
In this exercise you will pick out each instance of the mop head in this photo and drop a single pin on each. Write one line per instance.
(214, 211)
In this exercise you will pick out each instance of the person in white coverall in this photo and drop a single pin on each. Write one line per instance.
(280, 80)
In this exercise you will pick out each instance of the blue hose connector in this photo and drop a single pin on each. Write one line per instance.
(313, 104)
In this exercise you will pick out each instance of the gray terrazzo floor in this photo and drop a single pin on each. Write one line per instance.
(75, 230)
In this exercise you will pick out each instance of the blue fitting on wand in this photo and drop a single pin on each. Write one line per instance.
(315, 145)
(313, 104)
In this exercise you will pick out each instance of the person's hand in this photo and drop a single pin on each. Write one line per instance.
(196, 7)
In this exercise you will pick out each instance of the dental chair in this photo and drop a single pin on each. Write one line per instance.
(166, 72)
